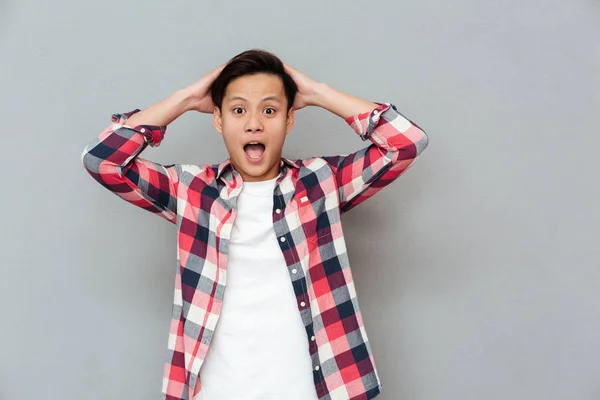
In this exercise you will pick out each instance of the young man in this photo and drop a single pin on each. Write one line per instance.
(265, 306)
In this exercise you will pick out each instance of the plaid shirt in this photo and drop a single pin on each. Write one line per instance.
(309, 198)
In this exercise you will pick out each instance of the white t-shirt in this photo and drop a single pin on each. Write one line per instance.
(259, 350)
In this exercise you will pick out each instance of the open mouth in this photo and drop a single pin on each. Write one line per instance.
(254, 150)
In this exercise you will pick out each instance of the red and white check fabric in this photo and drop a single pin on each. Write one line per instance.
(309, 198)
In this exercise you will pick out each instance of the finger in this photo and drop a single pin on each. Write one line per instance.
(289, 69)
(215, 72)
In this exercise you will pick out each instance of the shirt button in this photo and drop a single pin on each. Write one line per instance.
(312, 338)
(294, 271)
(317, 368)
(278, 211)
(302, 304)
(142, 130)
(282, 239)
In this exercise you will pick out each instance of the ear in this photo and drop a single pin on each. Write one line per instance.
(291, 118)
(217, 120)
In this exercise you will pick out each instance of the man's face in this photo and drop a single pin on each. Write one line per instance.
(254, 123)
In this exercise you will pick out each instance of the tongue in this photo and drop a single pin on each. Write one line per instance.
(255, 150)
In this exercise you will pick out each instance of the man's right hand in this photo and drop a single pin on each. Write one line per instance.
(199, 92)
(194, 97)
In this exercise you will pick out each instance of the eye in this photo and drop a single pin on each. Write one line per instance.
(238, 110)
(271, 111)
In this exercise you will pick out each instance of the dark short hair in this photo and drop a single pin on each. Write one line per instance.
(252, 62)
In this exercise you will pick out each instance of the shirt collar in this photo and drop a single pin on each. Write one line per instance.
(226, 165)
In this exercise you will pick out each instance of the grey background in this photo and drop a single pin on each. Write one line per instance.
(478, 272)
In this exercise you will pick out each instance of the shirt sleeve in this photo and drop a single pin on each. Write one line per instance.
(396, 143)
(113, 160)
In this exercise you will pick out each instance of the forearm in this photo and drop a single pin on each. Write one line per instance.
(112, 160)
(339, 103)
(396, 142)
(164, 112)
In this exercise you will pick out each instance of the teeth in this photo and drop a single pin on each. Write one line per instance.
(252, 157)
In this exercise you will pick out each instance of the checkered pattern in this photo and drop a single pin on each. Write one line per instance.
(309, 199)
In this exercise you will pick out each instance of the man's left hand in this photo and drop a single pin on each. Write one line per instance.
(307, 88)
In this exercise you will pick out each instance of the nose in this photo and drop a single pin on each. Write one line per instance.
(253, 123)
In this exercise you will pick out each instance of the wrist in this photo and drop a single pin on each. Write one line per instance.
(184, 99)
(321, 91)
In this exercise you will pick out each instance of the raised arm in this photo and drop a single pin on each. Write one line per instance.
(113, 159)
(395, 140)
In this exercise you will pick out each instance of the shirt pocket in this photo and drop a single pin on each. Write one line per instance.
(316, 220)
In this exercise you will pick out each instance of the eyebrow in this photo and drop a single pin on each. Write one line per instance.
(274, 98)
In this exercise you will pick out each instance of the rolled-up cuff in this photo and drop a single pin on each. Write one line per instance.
(153, 134)
(364, 124)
